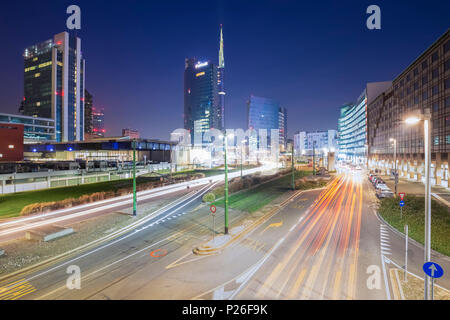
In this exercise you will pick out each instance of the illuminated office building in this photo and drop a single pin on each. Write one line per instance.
(54, 84)
(204, 94)
(424, 84)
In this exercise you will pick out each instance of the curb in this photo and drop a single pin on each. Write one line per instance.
(438, 254)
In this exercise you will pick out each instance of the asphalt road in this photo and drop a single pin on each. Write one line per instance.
(16, 228)
(322, 244)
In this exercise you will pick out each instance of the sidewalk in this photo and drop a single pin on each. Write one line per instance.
(417, 188)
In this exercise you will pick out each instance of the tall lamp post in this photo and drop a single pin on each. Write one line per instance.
(134, 179)
(426, 118)
(314, 158)
(293, 169)
(242, 154)
(225, 138)
(395, 163)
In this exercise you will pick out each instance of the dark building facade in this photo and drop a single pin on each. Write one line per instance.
(11, 143)
(54, 84)
(88, 105)
(424, 84)
(98, 122)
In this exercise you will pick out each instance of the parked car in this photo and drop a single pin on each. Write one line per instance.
(381, 186)
(384, 193)
(378, 182)
(371, 176)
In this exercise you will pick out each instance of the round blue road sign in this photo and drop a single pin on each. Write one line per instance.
(402, 203)
(433, 270)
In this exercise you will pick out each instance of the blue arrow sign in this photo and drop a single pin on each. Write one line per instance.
(402, 203)
(433, 270)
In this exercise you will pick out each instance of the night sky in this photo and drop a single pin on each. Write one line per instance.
(311, 56)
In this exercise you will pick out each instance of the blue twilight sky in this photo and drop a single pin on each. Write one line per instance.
(312, 56)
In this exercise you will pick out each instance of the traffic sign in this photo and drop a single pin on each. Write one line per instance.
(401, 195)
(402, 203)
(213, 209)
(433, 270)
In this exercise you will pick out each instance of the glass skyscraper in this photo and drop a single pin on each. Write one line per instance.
(352, 124)
(264, 113)
(54, 84)
(204, 94)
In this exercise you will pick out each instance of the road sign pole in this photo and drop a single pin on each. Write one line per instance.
(432, 288)
(214, 228)
(406, 253)
(401, 213)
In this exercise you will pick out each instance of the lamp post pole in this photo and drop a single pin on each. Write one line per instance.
(293, 169)
(395, 165)
(242, 156)
(226, 183)
(427, 134)
(314, 158)
(134, 179)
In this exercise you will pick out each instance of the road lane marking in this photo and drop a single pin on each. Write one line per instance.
(297, 284)
(337, 285)
(16, 290)
(197, 195)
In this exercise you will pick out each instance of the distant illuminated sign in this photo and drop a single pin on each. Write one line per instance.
(200, 74)
(201, 65)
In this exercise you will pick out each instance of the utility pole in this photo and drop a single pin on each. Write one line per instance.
(134, 179)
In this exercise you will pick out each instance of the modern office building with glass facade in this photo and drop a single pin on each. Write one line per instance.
(204, 95)
(305, 142)
(35, 129)
(424, 84)
(352, 124)
(54, 84)
(266, 114)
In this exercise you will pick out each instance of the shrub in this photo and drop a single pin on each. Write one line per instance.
(209, 197)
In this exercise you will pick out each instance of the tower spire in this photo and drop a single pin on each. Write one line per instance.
(221, 57)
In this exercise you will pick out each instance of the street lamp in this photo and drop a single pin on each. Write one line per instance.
(426, 118)
(395, 162)
(134, 179)
(314, 158)
(225, 138)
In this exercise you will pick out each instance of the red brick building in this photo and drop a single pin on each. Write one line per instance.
(11, 142)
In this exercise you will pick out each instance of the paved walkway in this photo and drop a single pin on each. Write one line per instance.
(417, 188)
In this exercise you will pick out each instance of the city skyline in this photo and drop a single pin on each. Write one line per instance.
(253, 67)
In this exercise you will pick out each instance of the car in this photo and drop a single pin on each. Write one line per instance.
(371, 176)
(376, 181)
(384, 193)
(382, 186)
(379, 181)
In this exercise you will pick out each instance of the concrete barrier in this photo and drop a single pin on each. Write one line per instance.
(48, 233)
